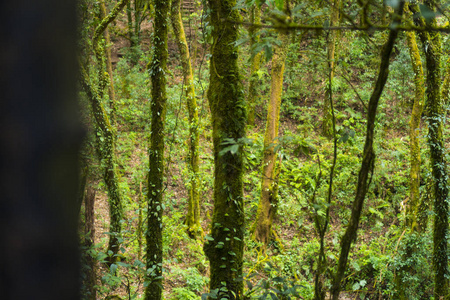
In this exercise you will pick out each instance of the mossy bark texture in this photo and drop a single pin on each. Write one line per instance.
(105, 132)
(193, 214)
(414, 127)
(435, 115)
(111, 91)
(367, 161)
(105, 148)
(156, 152)
(91, 274)
(327, 122)
(413, 222)
(445, 93)
(253, 96)
(224, 247)
(269, 183)
(109, 18)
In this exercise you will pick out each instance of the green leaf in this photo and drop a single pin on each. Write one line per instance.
(209, 238)
(427, 13)
(279, 4)
(113, 268)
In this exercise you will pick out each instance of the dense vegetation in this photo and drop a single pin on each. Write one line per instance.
(264, 149)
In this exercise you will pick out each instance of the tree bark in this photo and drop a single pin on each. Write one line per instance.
(431, 42)
(91, 274)
(111, 91)
(105, 149)
(414, 127)
(193, 214)
(252, 99)
(367, 162)
(224, 247)
(269, 183)
(156, 170)
(40, 142)
(327, 122)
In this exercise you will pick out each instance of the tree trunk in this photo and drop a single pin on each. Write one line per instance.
(412, 209)
(111, 92)
(446, 84)
(40, 142)
(105, 148)
(269, 184)
(367, 162)
(224, 248)
(414, 127)
(439, 168)
(327, 122)
(252, 99)
(193, 214)
(91, 275)
(431, 41)
(156, 169)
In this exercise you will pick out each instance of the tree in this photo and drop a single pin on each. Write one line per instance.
(368, 157)
(414, 126)
(413, 220)
(224, 246)
(431, 41)
(111, 91)
(158, 67)
(105, 133)
(136, 14)
(271, 167)
(105, 149)
(40, 139)
(255, 64)
(193, 215)
(327, 122)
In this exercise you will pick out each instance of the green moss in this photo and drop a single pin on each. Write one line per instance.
(224, 248)
(105, 149)
(255, 18)
(268, 201)
(156, 153)
(414, 126)
(193, 214)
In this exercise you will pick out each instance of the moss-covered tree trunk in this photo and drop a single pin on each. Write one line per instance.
(156, 156)
(105, 148)
(414, 127)
(269, 184)
(105, 132)
(327, 122)
(91, 274)
(111, 91)
(193, 214)
(432, 46)
(224, 247)
(367, 161)
(438, 164)
(446, 84)
(431, 42)
(252, 98)
(413, 221)
(135, 15)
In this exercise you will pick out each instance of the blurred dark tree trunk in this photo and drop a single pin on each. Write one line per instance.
(39, 142)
